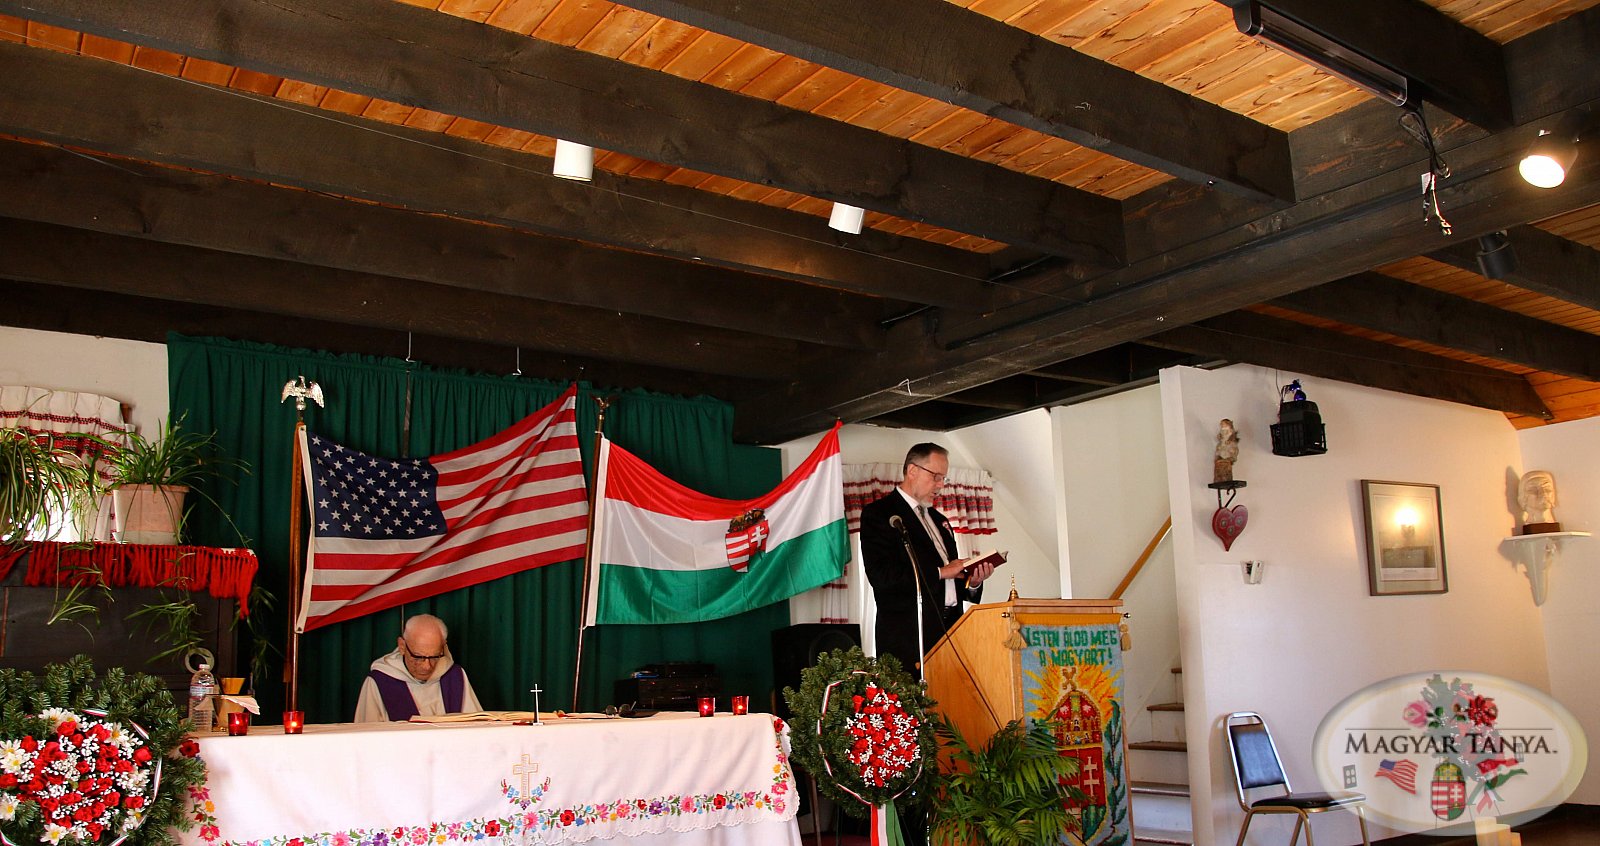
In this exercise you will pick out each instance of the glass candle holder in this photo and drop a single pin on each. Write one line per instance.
(238, 723)
(708, 706)
(741, 704)
(293, 721)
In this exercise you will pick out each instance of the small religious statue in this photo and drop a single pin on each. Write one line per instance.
(1536, 495)
(1227, 452)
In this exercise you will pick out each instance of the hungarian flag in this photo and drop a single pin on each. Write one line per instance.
(666, 554)
(385, 531)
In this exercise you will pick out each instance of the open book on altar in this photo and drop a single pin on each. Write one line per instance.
(506, 717)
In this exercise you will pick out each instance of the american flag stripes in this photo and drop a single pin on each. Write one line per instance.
(385, 532)
(1403, 773)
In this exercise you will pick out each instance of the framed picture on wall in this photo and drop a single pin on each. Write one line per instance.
(1405, 538)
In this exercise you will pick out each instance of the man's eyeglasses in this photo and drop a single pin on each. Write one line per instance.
(416, 657)
(940, 477)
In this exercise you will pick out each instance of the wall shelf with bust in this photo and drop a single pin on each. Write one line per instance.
(1537, 553)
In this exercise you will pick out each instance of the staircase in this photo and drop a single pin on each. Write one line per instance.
(1160, 771)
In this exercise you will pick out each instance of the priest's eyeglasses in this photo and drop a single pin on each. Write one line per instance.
(938, 477)
(416, 657)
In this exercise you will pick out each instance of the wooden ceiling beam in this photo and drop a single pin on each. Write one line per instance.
(1347, 231)
(1383, 304)
(49, 185)
(472, 70)
(946, 52)
(39, 307)
(122, 110)
(1546, 264)
(76, 258)
(1447, 62)
(1265, 341)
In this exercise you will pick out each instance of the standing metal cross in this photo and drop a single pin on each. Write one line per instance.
(536, 690)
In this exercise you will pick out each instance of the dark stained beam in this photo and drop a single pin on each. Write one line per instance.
(1539, 64)
(1014, 393)
(1265, 341)
(1347, 231)
(1383, 304)
(76, 258)
(477, 71)
(49, 185)
(1447, 62)
(934, 415)
(39, 307)
(117, 109)
(1546, 264)
(943, 51)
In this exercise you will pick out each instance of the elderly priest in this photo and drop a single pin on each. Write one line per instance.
(418, 678)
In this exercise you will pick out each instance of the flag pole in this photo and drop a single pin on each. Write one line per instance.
(588, 548)
(300, 390)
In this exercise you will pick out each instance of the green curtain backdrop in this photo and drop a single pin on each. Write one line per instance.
(512, 633)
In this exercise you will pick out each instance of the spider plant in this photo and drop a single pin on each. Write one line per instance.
(169, 466)
(36, 478)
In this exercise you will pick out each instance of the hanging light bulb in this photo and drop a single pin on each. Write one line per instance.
(1549, 157)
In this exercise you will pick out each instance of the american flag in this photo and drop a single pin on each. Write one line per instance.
(1403, 773)
(385, 532)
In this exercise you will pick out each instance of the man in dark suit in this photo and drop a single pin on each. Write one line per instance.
(935, 575)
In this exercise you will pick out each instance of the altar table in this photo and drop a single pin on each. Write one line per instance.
(672, 778)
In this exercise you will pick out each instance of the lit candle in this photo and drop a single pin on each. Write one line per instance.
(741, 704)
(238, 723)
(293, 721)
(708, 705)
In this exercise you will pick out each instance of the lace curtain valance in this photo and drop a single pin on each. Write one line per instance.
(967, 497)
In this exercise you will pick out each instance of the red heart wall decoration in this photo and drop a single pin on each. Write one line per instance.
(1228, 524)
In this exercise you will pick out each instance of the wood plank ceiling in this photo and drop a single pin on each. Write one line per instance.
(1062, 196)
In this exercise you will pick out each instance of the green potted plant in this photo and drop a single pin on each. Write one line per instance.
(1009, 792)
(36, 479)
(153, 475)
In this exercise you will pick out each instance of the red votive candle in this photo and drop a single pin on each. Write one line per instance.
(238, 723)
(293, 721)
(708, 705)
(741, 704)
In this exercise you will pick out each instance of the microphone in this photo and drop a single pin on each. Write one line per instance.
(895, 521)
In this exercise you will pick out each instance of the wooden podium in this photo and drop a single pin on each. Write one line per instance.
(1065, 662)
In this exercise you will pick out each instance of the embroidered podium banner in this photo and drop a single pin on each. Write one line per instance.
(670, 778)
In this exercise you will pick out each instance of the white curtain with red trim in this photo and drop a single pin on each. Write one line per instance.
(967, 499)
(72, 421)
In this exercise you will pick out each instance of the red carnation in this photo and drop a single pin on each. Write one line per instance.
(95, 830)
(135, 802)
(142, 755)
(8, 780)
(82, 815)
(84, 767)
(100, 732)
(29, 744)
(67, 727)
(112, 798)
(189, 748)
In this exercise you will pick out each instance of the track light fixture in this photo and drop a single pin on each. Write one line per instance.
(1549, 157)
(1276, 29)
(574, 161)
(1497, 259)
(846, 218)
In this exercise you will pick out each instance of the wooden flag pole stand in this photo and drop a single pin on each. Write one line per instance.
(300, 390)
(588, 549)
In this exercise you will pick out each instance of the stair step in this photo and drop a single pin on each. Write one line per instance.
(1160, 788)
(1160, 746)
(1156, 835)
(1165, 706)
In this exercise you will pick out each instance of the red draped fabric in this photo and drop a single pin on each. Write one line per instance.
(967, 498)
(224, 573)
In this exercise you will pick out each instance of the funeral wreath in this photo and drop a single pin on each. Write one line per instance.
(92, 760)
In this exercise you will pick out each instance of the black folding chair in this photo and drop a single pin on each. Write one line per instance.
(1256, 766)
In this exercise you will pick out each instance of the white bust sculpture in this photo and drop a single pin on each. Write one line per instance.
(1536, 495)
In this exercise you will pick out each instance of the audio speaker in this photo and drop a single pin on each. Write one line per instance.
(795, 648)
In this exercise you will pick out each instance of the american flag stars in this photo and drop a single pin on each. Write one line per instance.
(361, 496)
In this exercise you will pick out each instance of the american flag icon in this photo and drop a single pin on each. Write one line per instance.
(1403, 773)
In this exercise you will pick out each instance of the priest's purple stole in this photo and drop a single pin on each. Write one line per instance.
(397, 699)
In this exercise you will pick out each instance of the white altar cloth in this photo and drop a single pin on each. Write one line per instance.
(671, 778)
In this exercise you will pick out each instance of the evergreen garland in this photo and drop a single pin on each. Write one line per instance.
(827, 750)
(127, 700)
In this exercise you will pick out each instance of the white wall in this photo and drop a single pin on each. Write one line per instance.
(131, 372)
(1572, 607)
(1113, 460)
(1295, 645)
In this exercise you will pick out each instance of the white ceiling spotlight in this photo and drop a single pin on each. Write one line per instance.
(846, 218)
(574, 161)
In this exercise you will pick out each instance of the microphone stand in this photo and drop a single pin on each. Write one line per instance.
(916, 572)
